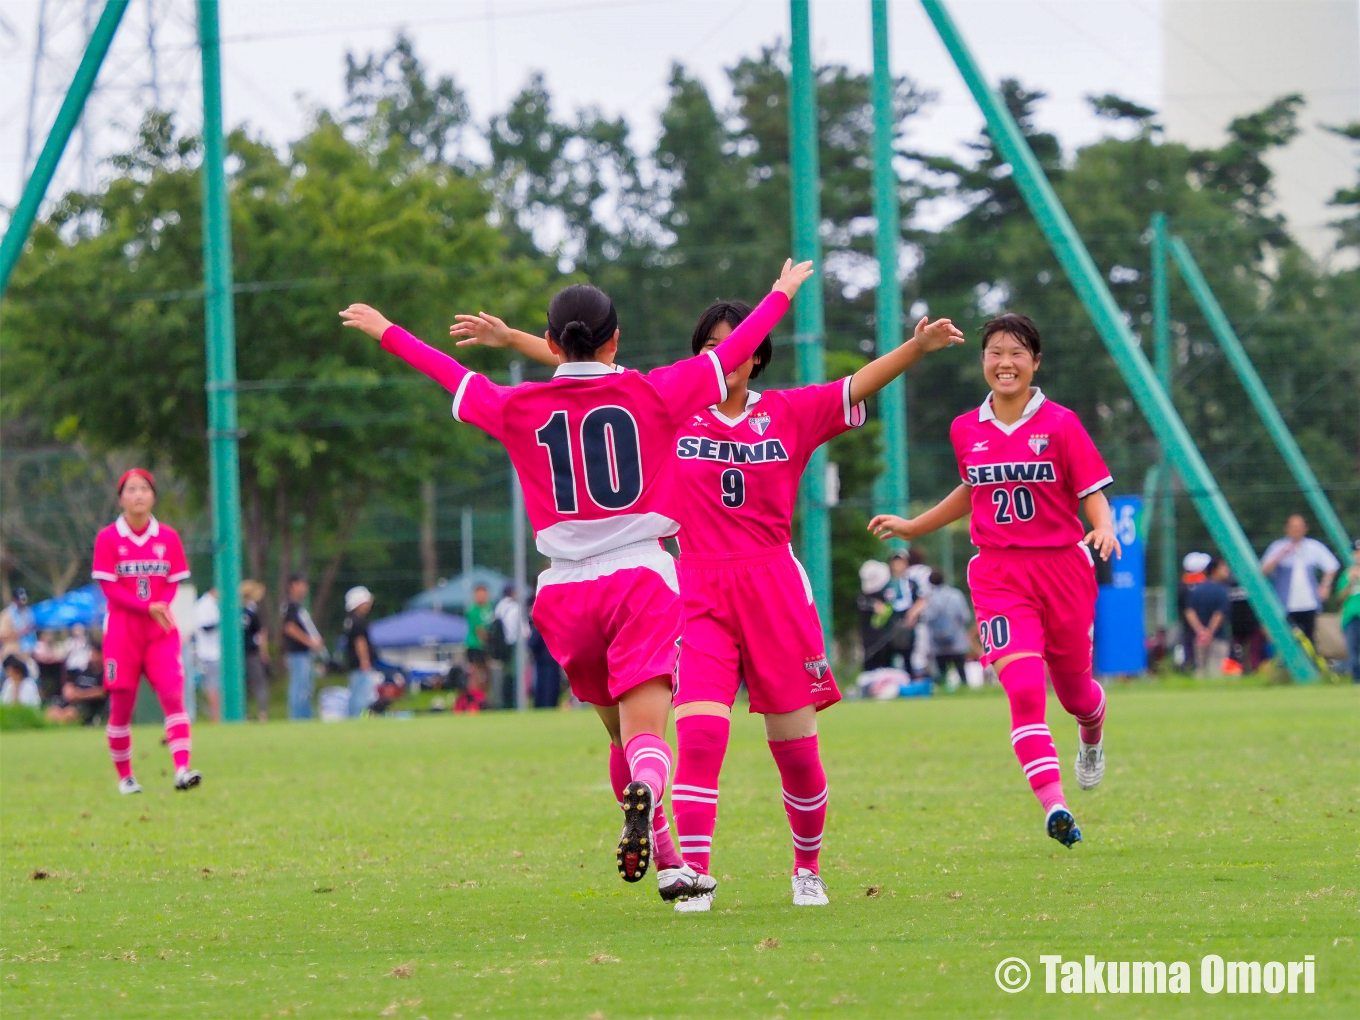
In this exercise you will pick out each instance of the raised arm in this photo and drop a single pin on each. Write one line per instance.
(740, 345)
(420, 356)
(953, 507)
(929, 336)
(486, 330)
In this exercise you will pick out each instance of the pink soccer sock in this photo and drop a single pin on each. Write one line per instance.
(701, 743)
(805, 793)
(177, 735)
(1023, 680)
(652, 757)
(1085, 699)
(119, 732)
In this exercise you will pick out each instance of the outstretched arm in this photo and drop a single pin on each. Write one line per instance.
(486, 330)
(420, 356)
(929, 336)
(953, 507)
(740, 345)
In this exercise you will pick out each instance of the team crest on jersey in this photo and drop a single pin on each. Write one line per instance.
(818, 667)
(159, 550)
(1038, 444)
(759, 421)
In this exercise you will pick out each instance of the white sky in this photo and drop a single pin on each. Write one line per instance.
(282, 58)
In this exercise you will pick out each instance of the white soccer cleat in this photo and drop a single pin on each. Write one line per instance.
(683, 882)
(808, 889)
(129, 785)
(700, 904)
(186, 779)
(1090, 763)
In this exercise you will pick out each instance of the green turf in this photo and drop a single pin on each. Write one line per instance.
(319, 863)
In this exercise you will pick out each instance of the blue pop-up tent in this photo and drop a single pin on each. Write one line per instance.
(418, 628)
(83, 605)
(456, 592)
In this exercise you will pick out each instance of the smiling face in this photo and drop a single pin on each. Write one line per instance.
(137, 497)
(1008, 365)
(742, 375)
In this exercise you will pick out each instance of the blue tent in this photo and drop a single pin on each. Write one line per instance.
(456, 592)
(417, 627)
(83, 605)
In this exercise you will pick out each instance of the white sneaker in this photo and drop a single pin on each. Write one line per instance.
(700, 904)
(129, 785)
(187, 778)
(1090, 763)
(683, 883)
(808, 889)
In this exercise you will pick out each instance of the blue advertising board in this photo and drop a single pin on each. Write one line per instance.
(1121, 637)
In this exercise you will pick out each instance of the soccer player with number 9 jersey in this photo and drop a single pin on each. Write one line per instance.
(592, 450)
(1027, 464)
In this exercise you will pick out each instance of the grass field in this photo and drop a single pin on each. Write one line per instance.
(451, 867)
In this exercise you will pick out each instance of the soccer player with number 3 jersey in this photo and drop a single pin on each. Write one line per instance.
(139, 563)
(1027, 464)
(592, 448)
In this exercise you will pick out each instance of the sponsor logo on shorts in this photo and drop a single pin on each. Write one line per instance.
(818, 667)
(759, 422)
(1038, 443)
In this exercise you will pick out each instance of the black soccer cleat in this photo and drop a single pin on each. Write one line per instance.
(635, 844)
(1063, 827)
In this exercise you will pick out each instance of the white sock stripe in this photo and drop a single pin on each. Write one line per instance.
(1040, 765)
(649, 755)
(1030, 728)
(813, 800)
(1020, 733)
(650, 752)
(687, 840)
(176, 719)
(180, 745)
(805, 808)
(118, 731)
(121, 755)
(693, 789)
(813, 843)
(692, 799)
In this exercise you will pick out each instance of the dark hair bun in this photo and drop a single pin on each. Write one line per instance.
(581, 319)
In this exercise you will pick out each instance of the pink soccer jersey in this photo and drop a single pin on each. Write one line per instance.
(592, 447)
(145, 565)
(736, 479)
(1027, 479)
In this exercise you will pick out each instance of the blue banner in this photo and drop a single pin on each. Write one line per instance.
(1121, 637)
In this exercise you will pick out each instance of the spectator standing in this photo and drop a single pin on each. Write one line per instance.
(507, 622)
(358, 650)
(49, 653)
(875, 614)
(208, 651)
(949, 619)
(1192, 574)
(19, 628)
(301, 640)
(257, 650)
(1302, 570)
(918, 571)
(1350, 612)
(479, 617)
(547, 672)
(902, 594)
(1248, 643)
(19, 688)
(1208, 608)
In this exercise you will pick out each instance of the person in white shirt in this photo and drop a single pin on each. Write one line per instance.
(1302, 570)
(208, 651)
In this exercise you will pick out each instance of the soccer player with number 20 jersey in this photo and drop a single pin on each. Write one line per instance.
(592, 451)
(1026, 465)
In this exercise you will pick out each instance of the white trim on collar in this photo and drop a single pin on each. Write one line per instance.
(125, 529)
(585, 370)
(751, 397)
(985, 412)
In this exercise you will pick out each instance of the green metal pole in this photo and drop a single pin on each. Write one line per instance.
(1161, 333)
(225, 467)
(891, 492)
(21, 221)
(1152, 399)
(809, 322)
(1260, 398)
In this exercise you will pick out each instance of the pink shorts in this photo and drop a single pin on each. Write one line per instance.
(1035, 600)
(136, 646)
(611, 621)
(751, 617)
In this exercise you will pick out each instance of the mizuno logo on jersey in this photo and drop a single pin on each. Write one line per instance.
(980, 445)
(989, 474)
(692, 447)
(144, 568)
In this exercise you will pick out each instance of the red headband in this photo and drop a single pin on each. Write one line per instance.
(139, 473)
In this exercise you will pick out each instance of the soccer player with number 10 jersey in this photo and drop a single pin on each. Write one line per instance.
(1026, 465)
(592, 449)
